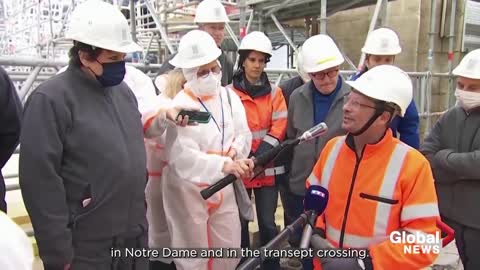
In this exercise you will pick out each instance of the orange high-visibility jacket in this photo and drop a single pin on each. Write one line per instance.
(267, 120)
(390, 188)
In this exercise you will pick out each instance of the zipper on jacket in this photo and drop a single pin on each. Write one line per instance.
(347, 207)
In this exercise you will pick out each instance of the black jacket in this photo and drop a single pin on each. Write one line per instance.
(80, 141)
(10, 120)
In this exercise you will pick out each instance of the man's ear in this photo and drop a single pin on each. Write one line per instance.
(386, 117)
(83, 56)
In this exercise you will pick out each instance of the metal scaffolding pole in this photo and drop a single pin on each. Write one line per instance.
(232, 34)
(373, 23)
(249, 23)
(133, 21)
(383, 16)
(430, 57)
(161, 28)
(241, 27)
(22, 94)
(323, 17)
(278, 7)
(282, 30)
(451, 41)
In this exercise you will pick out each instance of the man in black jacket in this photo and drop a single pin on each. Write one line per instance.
(10, 120)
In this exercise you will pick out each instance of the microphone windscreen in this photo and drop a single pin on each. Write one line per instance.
(316, 199)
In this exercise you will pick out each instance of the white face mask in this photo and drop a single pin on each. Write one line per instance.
(467, 99)
(208, 86)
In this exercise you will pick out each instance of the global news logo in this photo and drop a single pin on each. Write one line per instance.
(417, 242)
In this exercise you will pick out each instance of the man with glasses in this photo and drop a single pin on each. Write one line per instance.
(319, 100)
(378, 185)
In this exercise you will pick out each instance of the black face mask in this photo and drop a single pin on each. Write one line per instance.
(113, 73)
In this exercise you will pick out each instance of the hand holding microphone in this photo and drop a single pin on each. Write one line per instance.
(263, 159)
(241, 168)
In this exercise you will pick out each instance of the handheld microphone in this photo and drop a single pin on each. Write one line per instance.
(315, 202)
(266, 157)
(316, 199)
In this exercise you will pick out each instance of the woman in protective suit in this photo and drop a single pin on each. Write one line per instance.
(203, 154)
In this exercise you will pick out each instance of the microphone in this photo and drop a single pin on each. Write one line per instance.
(314, 132)
(316, 199)
(315, 202)
(266, 157)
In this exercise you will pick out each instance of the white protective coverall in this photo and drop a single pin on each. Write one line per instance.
(16, 252)
(158, 234)
(196, 161)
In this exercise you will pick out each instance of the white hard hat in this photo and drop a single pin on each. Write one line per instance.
(15, 246)
(320, 53)
(196, 48)
(386, 83)
(101, 25)
(469, 67)
(256, 41)
(300, 66)
(211, 11)
(382, 41)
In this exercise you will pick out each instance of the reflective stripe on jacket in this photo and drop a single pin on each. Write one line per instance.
(267, 120)
(389, 188)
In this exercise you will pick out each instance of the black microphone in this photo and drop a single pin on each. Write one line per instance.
(266, 157)
(316, 199)
(315, 202)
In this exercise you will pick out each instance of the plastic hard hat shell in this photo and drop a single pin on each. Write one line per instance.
(101, 25)
(211, 11)
(386, 83)
(469, 67)
(382, 41)
(320, 53)
(256, 41)
(196, 48)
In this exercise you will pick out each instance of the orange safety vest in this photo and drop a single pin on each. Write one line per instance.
(390, 188)
(267, 120)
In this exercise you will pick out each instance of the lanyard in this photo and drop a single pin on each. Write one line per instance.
(222, 131)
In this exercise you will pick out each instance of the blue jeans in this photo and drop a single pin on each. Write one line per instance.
(266, 199)
(292, 209)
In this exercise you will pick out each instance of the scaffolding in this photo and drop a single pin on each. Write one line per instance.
(33, 44)
(33, 47)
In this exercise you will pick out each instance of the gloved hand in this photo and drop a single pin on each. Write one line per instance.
(262, 148)
(337, 263)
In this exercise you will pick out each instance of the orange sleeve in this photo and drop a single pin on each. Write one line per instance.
(419, 215)
(315, 177)
(279, 116)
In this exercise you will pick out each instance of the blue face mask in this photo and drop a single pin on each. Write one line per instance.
(113, 73)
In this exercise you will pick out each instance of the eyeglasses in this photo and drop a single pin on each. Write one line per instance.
(355, 104)
(204, 73)
(321, 74)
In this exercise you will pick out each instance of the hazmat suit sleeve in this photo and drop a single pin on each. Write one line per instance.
(155, 122)
(188, 161)
(46, 124)
(242, 141)
(187, 150)
(142, 87)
